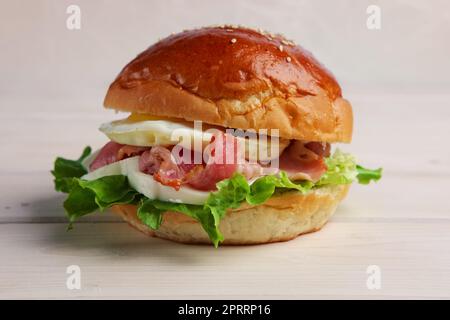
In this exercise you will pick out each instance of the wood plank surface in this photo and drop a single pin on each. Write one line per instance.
(400, 224)
(117, 262)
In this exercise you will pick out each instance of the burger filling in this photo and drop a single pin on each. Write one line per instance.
(300, 160)
(211, 172)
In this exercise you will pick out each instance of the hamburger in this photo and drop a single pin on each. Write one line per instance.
(227, 139)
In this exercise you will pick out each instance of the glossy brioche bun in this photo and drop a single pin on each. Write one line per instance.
(280, 218)
(235, 77)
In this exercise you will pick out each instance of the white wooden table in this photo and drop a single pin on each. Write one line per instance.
(401, 224)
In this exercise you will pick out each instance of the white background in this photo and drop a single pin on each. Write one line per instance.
(40, 56)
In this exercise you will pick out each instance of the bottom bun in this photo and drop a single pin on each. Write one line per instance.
(281, 218)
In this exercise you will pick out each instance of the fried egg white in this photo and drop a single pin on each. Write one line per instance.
(147, 131)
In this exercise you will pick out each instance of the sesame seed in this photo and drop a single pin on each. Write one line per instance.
(233, 40)
(230, 30)
(281, 47)
(288, 59)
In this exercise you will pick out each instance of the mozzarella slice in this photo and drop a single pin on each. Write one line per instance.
(147, 132)
(145, 184)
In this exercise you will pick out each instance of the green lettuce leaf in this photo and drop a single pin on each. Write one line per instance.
(264, 187)
(150, 213)
(341, 169)
(365, 176)
(89, 196)
(230, 193)
(64, 170)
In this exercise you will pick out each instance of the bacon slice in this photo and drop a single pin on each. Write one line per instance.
(112, 152)
(301, 162)
(107, 155)
(254, 170)
(128, 151)
(158, 161)
(322, 149)
(222, 163)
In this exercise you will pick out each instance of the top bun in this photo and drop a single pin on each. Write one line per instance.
(235, 77)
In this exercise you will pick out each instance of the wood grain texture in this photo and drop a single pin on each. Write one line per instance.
(400, 224)
(117, 262)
